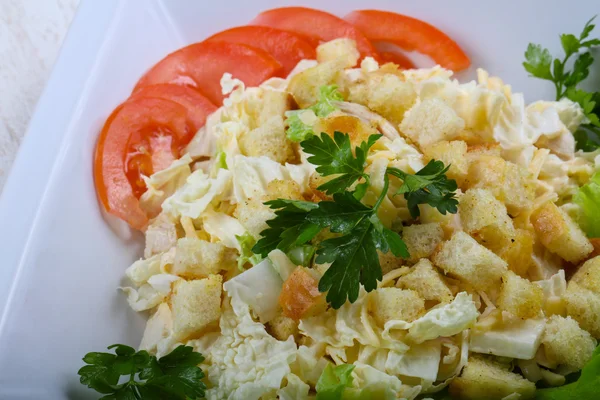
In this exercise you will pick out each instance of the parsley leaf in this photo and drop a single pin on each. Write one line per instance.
(353, 253)
(298, 130)
(335, 157)
(175, 376)
(428, 186)
(353, 256)
(290, 227)
(539, 63)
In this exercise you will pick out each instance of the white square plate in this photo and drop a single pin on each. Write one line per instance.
(60, 263)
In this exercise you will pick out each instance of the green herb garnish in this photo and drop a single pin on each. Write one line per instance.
(175, 376)
(540, 64)
(360, 234)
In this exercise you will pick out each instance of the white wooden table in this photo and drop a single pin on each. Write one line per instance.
(31, 32)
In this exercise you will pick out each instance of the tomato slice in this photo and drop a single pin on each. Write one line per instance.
(201, 65)
(287, 48)
(410, 34)
(397, 58)
(197, 105)
(315, 24)
(140, 136)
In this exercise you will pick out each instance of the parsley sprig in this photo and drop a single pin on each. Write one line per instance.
(359, 232)
(540, 64)
(428, 186)
(175, 376)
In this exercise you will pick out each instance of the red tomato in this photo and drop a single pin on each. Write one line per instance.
(140, 137)
(410, 34)
(288, 49)
(397, 58)
(201, 65)
(198, 106)
(315, 24)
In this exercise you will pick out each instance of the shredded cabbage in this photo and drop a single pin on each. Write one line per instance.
(588, 199)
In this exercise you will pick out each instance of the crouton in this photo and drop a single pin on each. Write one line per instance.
(300, 296)
(282, 327)
(389, 262)
(253, 215)
(485, 379)
(509, 183)
(583, 306)
(520, 297)
(268, 140)
(422, 239)
(427, 281)
(488, 149)
(449, 222)
(465, 259)
(342, 50)
(518, 252)
(385, 94)
(452, 153)
(268, 103)
(391, 303)
(565, 343)
(305, 85)
(560, 234)
(196, 258)
(588, 275)
(431, 121)
(485, 218)
(358, 130)
(283, 189)
(196, 305)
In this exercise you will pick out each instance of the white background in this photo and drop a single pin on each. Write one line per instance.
(31, 32)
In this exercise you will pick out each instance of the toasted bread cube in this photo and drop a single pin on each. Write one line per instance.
(267, 104)
(449, 222)
(389, 262)
(465, 259)
(520, 297)
(340, 50)
(253, 215)
(566, 343)
(488, 149)
(391, 303)
(196, 305)
(518, 252)
(358, 130)
(427, 281)
(385, 94)
(452, 153)
(305, 85)
(510, 183)
(268, 140)
(583, 306)
(282, 327)
(431, 121)
(485, 379)
(300, 296)
(283, 189)
(560, 234)
(422, 239)
(485, 218)
(196, 258)
(588, 275)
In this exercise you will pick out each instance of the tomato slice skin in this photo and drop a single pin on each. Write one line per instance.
(197, 105)
(410, 34)
(397, 58)
(201, 65)
(287, 48)
(132, 125)
(318, 25)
